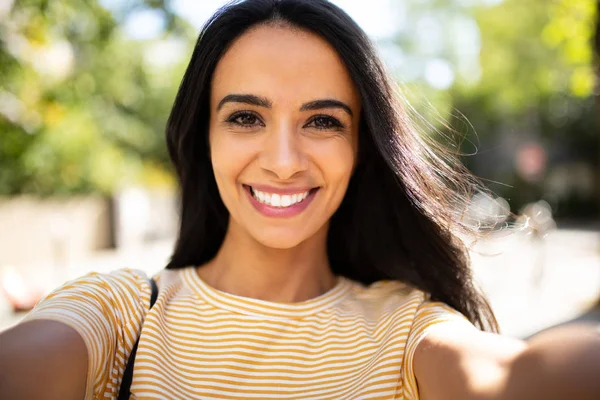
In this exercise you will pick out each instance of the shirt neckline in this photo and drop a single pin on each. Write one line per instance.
(262, 308)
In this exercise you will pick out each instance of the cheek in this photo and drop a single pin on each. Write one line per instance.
(336, 159)
(228, 162)
(229, 155)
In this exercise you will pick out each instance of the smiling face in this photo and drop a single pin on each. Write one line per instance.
(284, 116)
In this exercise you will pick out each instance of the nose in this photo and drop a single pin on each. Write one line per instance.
(282, 154)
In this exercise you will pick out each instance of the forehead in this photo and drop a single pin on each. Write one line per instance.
(284, 64)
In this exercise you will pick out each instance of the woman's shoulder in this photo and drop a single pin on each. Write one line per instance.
(116, 295)
(381, 300)
(106, 310)
(390, 292)
(124, 281)
(125, 286)
(123, 277)
(388, 298)
(406, 314)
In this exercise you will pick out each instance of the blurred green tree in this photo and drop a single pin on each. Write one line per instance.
(517, 73)
(537, 87)
(82, 105)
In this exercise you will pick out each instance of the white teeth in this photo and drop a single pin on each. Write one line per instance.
(276, 200)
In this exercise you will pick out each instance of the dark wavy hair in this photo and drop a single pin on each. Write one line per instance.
(398, 219)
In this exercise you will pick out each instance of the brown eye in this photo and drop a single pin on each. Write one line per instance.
(325, 122)
(244, 119)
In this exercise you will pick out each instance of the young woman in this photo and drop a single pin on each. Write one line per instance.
(318, 255)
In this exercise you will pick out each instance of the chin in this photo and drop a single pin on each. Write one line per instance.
(276, 239)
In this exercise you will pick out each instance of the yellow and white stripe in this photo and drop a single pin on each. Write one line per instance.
(353, 342)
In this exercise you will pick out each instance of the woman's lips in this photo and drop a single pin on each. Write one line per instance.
(281, 212)
(280, 191)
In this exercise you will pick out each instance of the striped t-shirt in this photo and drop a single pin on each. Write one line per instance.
(352, 342)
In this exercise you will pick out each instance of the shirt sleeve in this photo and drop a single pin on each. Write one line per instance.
(107, 310)
(428, 317)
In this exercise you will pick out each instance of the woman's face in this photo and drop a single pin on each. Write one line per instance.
(284, 116)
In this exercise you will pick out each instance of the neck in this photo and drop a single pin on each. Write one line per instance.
(246, 268)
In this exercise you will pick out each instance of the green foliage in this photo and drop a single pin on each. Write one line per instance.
(536, 86)
(82, 107)
(533, 50)
(532, 80)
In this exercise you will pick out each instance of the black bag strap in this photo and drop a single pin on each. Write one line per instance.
(124, 392)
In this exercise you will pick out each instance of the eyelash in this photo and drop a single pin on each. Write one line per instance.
(334, 123)
(233, 118)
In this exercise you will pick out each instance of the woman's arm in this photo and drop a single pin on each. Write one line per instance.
(562, 363)
(468, 364)
(43, 360)
(75, 339)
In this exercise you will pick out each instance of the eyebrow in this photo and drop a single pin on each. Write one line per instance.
(264, 102)
(326, 103)
(245, 98)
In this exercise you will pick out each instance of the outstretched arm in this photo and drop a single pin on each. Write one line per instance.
(75, 339)
(468, 364)
(43, 360)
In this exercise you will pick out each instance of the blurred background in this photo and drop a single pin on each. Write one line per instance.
(86, 87)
